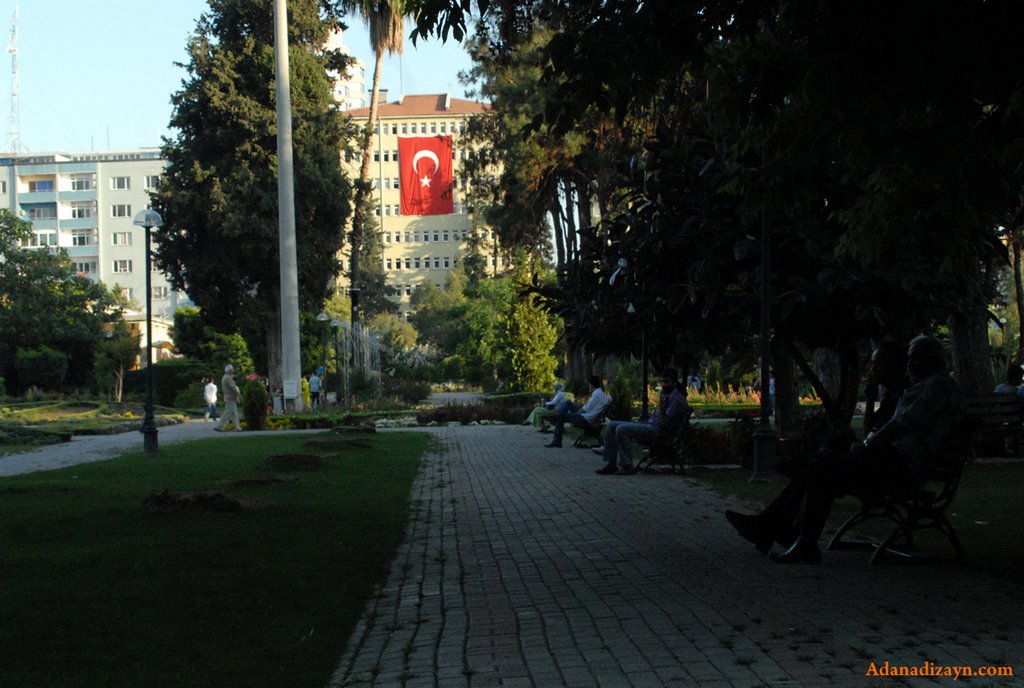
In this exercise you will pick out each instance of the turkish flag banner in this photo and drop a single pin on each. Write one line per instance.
(425, 164)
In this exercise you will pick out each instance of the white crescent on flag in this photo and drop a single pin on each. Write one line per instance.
(425, 179)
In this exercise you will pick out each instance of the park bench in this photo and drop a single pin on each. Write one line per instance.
(923, 508)
(667, 450)
(1000, 423)
(592, 432)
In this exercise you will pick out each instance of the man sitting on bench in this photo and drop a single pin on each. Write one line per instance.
(896, 458)
(661, 426)
(589, 416)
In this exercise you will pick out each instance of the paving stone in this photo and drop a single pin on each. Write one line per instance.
(525, 566)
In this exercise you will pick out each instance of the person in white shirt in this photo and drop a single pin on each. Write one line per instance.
(210, 396)
(538, 415)
(588, 416)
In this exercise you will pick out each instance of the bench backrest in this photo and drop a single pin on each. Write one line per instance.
(995, 410)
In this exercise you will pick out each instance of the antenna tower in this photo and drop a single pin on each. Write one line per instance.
(12, 48)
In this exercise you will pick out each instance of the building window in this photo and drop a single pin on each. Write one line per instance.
(394, 183)
(437, 262)
(423, 127)
(42, 213)
(408, 290)
(387, 264)
(437, 236)
(398, 263)
(407, 237)
(121, 210)
(39, 185)
(152, 181)
(121, 239)
(376, 211)
(426, 236)
(80, 211)
(398, 237)
(387, 211)
(82, 182)
(160, 293)
(433, 127)
(416, 263)
(408, 263)
(394, 129)
(87, 267)
(3, 187)
(387, 237)
(120, 183)
(82, 238)
(394, 155)
(405, 128)
(122, 266)
(43, 239)
(398, 210)
(128, 293)
(444, 127)
(447, 263)
(376, 156)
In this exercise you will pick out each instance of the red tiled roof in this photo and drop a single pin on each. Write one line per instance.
(426, 105)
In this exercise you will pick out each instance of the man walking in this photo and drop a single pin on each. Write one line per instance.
(231, 398)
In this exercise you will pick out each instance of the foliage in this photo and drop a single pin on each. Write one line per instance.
(473, 413)
(622, 398)
(115, 357)
(405, 391)
(531, 332)
(191, 397)
(219, 198)
(363, 384)
(43, 367)
(44, 302)
(254, 404)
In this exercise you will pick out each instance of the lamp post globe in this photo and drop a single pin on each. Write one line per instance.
(148, 219)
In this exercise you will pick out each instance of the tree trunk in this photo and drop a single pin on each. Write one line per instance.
(363, 186)
(1018, 290)
(971, 356)
(787, 396)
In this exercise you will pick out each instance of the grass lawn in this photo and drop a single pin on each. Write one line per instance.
(986, 513)
(98, 590)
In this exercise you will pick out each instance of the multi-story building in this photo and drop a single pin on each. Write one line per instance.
(85, 203)
(417, 248)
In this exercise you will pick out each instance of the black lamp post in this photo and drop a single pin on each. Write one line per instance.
(324, 318)
(148, 219)
(336, 324)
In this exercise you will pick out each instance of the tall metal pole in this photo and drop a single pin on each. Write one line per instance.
(764, 436)
(150, 444)
(291, 364)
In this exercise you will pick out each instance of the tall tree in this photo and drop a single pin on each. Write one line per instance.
(44, 302)
(219, 241)
(386, 22)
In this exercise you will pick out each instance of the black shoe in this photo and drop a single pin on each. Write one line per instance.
(801, 551)
(626, 470)
(609, 469)
(752, 529)
(552, 444)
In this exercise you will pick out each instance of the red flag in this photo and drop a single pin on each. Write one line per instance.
(425, 164)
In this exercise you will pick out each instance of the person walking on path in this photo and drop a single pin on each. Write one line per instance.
(314, 390)
(210, 396)
(231, 398)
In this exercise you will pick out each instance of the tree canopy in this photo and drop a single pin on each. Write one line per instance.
(219, 200)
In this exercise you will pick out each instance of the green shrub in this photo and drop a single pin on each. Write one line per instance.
(254, 404)
(406, 391)
(43, 367)
(465, 414)
(622, 399)
(191, 396)
(516, 399)
(363, 384)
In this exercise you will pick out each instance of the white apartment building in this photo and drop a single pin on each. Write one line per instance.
(85, 203)
(417, 248)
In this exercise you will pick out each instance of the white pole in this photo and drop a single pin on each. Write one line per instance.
(291, 365)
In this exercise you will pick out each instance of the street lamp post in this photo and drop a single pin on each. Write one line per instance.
(148, 219)
(324, 318)
(336, 324)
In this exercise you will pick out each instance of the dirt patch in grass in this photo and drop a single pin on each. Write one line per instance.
(295, 462)
(221, 502)
(271, 480)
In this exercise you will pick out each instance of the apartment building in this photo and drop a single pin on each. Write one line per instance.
(85, 203)
(421, 242)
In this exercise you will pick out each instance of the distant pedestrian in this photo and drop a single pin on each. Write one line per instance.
(314, 390)
(210, 396)
(231, 398)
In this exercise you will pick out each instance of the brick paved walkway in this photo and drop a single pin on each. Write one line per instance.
(521, 567)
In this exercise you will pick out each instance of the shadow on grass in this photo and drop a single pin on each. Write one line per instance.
(99, 590)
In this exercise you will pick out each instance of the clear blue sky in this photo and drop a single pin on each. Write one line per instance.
(98, 74)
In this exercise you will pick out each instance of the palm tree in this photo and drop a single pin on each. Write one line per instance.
(386, 22)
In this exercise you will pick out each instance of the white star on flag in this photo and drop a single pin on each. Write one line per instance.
(424, 181)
